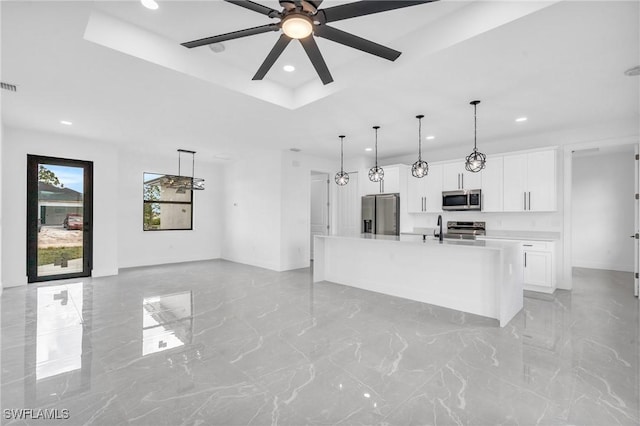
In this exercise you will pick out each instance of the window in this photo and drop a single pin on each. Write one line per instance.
(166, 207)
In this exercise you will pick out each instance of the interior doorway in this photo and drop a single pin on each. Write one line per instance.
(319, 208)
(59, 218)
(604, 209)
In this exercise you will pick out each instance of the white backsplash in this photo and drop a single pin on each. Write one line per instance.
(548, 222)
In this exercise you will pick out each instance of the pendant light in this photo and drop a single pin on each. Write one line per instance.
(342, 177)
(376, 174)
(420, 168)
(475, 161)
(184, 183)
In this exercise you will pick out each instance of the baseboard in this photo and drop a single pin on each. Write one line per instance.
(96, 273)
(578, 263)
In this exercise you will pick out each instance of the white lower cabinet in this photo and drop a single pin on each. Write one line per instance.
(539, 266)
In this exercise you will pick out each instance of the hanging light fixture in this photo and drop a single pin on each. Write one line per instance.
(184, 183)
(342, 177)
(475, 161)
(376, 174)
(420, 168)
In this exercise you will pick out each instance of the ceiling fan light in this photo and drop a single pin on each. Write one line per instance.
(297, 26)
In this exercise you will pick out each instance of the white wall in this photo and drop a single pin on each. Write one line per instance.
(602, 211)
(137, 247)
(118, 238)
(16, 145)
(296, 205)
(251, 212)
(267, 209)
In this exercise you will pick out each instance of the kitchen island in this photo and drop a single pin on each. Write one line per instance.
(478, 277)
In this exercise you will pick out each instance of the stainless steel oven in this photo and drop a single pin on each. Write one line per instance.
(462, 199)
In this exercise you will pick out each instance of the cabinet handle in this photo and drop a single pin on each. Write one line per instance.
(524, 200)
(525, 259)
(462, 178)
(425, 203)
(527, 245)
(458, 180)
(529, 200)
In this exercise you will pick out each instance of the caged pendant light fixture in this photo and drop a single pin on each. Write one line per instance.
(342, 177)
(376, 174)
(420, 168)
(475, 161)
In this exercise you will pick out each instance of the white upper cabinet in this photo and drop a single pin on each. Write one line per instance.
(492, 185)
(541, 181)
(433, 196)
(424, 195)
(530, 181)
(455, 176)
(515, 182)
(391, 181)
(416, 194)
(366, 186)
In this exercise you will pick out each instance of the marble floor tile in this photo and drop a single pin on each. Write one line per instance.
(220, 343)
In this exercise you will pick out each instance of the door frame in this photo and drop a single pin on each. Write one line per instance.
(324, 177)
(565, 280)
(32, 216)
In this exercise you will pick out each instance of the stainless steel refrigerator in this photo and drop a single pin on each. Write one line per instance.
(381, 214)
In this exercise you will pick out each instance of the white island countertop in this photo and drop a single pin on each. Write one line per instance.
(479, 277)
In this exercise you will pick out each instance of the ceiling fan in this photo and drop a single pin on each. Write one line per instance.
(301, 19)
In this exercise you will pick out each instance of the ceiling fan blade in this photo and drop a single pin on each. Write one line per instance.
(232, 35)
(356, 42)
(310, 46)
(272, 57)
(271, 13)
(361, 8)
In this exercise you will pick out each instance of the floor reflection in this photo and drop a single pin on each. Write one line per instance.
(59, 351)
(167, 322)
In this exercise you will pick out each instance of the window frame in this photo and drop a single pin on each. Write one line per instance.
(145, 202)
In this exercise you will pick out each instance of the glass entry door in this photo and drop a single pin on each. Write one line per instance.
(59, 218)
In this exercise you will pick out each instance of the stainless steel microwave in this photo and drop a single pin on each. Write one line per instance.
(462, 199)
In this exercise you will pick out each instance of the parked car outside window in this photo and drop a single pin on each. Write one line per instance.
(73, 221)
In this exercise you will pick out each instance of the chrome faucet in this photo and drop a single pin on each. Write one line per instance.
(439, 235)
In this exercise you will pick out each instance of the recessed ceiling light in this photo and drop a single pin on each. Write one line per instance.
(289, 68)
(368, 149)
(521, 119)
(430, 137)
(66, 123)
(149, 4)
